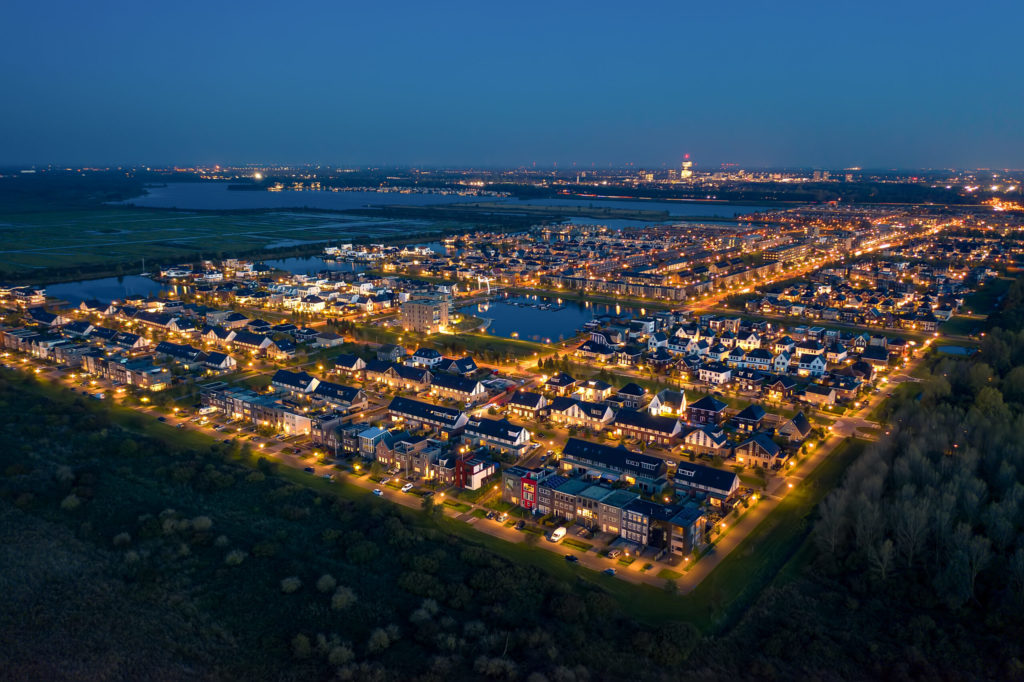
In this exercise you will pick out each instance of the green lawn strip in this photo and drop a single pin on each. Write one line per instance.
(577, 544)
(752, 565)
(669, 574)
(984, 299)
(457, 506)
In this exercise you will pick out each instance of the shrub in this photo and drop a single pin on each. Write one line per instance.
(234, 557)
(301, 647)
(71, 502)
(342, 598)
(379, 641)
(202, 523)
(122, 539)
(326, 583)
(291, 584)
(340, 654)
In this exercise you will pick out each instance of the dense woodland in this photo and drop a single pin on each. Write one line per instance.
(916, 565)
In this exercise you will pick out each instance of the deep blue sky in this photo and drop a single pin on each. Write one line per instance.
(830, 84)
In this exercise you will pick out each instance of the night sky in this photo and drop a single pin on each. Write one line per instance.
(871, 84)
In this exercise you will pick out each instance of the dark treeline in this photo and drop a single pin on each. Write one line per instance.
(64, 190)
(918, 557)
(803, 192)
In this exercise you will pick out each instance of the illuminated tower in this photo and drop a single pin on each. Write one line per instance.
(687, 170)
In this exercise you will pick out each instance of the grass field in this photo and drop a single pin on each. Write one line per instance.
(983, 301)
(752, 565)
(109, 236)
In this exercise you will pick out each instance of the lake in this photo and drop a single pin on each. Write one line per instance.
(311, 264)
(217, 196)
(517, 316)
(104, 289)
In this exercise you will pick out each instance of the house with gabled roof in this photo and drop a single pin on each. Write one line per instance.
(498, 434)
(631, 396)
(339, 396)
(750, 418)
(646, 427)
(561, 384)
(707, 410)
(797, 429)
(816, 394)
(715, 373)
(709, 439)
(456, 387)
(668, 403)
(692, 479)
(594, 390)
(614, 463)
(811, 365)
(297, 383)
(527, 404)
(349, 364)
(448, 421)
(571, 413)
(759, 451)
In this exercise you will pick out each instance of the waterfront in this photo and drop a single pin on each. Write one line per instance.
(213, 196)
(541, 318)
(217, 196)
(103, 289)
(311, 264)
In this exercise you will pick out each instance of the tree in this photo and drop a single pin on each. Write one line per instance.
(326, 583)
(378, 641)
(881, 559)
(291, 584)
(911, 530)
(342, 598)
(301, 647)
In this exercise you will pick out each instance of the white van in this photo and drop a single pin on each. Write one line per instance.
(557, 534)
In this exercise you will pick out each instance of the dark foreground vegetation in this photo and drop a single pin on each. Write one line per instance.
(916, 565)
(122, 557)
(129, 553)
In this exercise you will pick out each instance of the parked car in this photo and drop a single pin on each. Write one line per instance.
(378, 492)
(407, 487)
(609, 571)
(309, 470)
(572, 558)
(161, 419)
(557, 534)
(503, 517)
(328, 477)
(490, 515)
(614, 553)
(520, 524)
(385, 481)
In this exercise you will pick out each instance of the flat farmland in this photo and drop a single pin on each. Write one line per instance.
(94, 238)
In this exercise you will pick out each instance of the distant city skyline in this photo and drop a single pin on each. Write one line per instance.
(804, 85)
